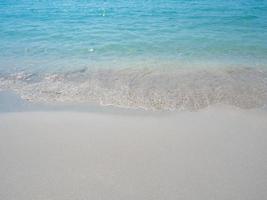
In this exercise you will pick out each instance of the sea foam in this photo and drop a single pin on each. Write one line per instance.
(144, 88)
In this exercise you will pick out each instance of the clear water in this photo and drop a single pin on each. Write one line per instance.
(52, 38)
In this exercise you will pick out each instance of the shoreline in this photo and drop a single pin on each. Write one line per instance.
(10, 102)
(146, 89)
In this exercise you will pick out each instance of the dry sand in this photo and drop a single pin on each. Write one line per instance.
(216, 153)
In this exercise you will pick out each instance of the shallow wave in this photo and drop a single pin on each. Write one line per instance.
(144, 88)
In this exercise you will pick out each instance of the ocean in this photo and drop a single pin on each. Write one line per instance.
(159, 55)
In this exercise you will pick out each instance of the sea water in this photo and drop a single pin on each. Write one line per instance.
(160, 54)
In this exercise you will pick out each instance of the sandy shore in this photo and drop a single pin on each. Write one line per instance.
(216, 153)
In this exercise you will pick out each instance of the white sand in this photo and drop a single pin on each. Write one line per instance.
(216, 153)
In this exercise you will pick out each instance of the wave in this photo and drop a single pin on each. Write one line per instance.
(144, 88)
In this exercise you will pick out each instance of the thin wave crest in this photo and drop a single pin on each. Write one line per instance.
(144, 88)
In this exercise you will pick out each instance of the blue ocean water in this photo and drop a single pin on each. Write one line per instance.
(63, 36)
(55, 34)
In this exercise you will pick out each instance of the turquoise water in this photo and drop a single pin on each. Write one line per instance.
(49, 40)
(63, 34)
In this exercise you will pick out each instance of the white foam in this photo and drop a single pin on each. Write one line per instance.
(146, 88)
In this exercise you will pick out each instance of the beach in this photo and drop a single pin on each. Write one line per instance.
(216, 153)
(133, 100)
